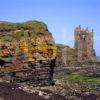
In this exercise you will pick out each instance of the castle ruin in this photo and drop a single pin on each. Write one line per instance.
(84, 45)
(82, 53)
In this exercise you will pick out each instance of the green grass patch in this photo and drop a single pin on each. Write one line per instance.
(77, 77)
(8, 26)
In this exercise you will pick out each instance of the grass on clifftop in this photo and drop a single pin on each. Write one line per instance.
(8, 26)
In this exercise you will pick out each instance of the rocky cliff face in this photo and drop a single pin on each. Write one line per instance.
(32, 39)
(27, 52)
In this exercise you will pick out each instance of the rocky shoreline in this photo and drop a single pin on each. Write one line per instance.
(69, 90)
(60, 91)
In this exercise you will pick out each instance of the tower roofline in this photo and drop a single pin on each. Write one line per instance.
(78, 29)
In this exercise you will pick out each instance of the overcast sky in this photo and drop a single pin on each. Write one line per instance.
(61, 16)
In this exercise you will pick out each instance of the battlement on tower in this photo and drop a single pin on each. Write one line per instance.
(80, 30)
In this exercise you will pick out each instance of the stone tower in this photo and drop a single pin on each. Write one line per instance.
(84, 45)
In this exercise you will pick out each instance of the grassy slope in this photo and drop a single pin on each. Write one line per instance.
(77, 77)
(8, 26)
(79, 82)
